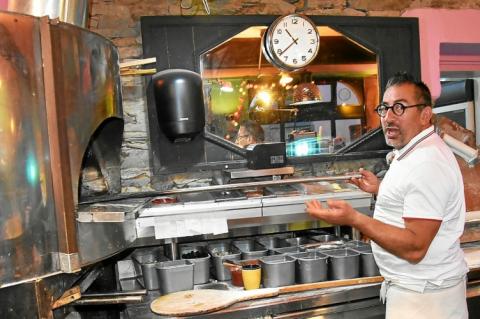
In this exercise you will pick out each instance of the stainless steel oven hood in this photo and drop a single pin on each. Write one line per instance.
(69, 11)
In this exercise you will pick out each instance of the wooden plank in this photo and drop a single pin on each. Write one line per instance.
(131, 63)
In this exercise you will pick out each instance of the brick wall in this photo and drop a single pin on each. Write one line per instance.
(119, 20)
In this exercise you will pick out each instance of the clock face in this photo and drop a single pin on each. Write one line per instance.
(291, 42)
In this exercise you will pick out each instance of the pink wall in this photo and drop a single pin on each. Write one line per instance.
(443, 26)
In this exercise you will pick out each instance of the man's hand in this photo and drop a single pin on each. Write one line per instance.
(337, 212)
(368, 182)
(410, 242)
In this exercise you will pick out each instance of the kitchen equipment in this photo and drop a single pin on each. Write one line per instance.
(220, 252)
(145, 260)
(54, 129)
(325, 241)
(368, 266)
(344, 263)
(325, 238)
(277, 270)
(271, 242)
(73, 12)
(250, 248)
(298, 241)
(310, 267)
(175, 275)
(195, 302)
(198, 255)
(288, 250)
(356, 244)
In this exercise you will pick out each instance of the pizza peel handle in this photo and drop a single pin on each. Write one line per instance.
(330, 284)
(195, 302)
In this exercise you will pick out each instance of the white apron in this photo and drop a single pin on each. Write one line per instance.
(446, 303)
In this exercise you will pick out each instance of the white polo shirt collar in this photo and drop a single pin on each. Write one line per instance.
(401, 153)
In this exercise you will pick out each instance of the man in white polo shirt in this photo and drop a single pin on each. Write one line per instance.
(419, 214)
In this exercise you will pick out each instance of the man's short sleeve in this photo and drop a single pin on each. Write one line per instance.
(428, 191)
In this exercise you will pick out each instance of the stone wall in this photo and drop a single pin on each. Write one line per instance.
(119, 20)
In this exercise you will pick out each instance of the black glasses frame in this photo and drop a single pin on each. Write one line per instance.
(397, 108)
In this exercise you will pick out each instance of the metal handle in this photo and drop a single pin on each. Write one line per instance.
(108, 301)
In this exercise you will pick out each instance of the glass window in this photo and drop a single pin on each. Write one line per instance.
(316, 110)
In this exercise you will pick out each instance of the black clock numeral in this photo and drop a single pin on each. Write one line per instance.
(312, 41)
(286, 57)
(279, 51)
(275, 41)
(295, 61)
(304, 58)
(294, 21)
(279, 31)
(309, 31)
(310, 50)
(285, 24)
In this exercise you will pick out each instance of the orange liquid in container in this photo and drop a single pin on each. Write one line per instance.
(237, 277)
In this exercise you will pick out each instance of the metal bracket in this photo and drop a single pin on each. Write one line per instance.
(68, 296)
(69, 263)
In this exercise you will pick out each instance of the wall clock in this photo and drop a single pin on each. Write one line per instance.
(291, 42)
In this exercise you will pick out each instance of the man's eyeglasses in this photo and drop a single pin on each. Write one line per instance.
(397, 108)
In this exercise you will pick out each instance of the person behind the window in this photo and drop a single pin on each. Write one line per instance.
(249, 132)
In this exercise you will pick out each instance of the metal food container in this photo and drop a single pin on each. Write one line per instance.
(325, 238)
(145, 260)
(310, 267)
(288, 250)
(221, 251)
(327, 246)
(356, 244)
(327, 242)
(368, 266)
(175, 275)
(277, 271)
(273, 241)
(199, 256)
(344, 263)
(298, 241)
(250, 248)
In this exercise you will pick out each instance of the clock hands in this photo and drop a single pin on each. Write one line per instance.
(288, 47)
(291, 42)
(294, 40)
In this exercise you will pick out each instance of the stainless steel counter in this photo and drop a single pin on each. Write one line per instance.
(355, 302)
(278, 204)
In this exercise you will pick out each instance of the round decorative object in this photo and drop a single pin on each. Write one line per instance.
(291, 42)
(344, 94)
